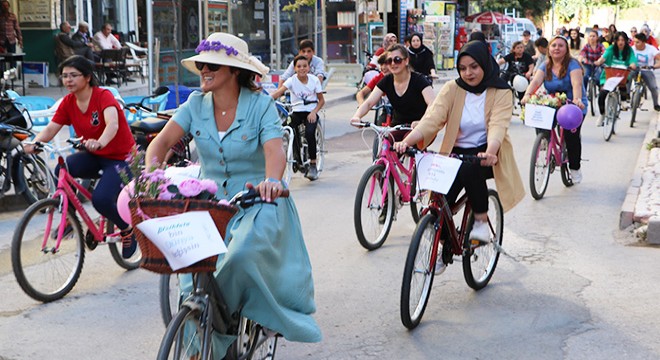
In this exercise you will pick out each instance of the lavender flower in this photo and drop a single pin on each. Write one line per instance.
(190, 188)
(206, 45)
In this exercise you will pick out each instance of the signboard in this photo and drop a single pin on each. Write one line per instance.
(35, 14)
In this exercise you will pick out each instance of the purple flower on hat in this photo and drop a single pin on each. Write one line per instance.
(206, 45)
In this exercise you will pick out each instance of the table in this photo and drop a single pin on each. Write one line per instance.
(7, 58)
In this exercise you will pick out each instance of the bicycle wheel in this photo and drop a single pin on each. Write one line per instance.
(170, 296)
(187, 336)
(33, 175)
(539, 167)
(419, 199)
(479, 261)
(115, 247)
(320, 144)
(418, 272)
(288, 150)
(252, 342)
(373, 221)
(592, 94)
(565, 171)
(43, 273)
(634, 104)
(611, 105)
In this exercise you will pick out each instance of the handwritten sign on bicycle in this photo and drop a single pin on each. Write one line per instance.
(436, 172)
(539, 116)
(611, 83)
(184, 238)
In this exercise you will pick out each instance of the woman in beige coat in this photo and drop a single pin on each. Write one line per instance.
(476, 111)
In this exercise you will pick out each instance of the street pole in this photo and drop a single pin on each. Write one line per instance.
(552, 25)
(324, 33)
(150, 45)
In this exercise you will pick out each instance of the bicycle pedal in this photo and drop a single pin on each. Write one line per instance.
(112, 239)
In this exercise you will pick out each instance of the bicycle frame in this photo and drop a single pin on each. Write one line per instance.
(555, 145)
(65, 192)
(441, 208)
(390, 160)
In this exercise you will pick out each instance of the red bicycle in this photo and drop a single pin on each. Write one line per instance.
(479, 258)
(48, 247)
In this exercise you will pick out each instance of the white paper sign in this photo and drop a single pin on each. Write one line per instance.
(436, 172)
(611, 83)
(539, 116)
(184, 238)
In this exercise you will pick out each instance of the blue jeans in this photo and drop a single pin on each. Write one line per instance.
(588, 70)
(86, 165)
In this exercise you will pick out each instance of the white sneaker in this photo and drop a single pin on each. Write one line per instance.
(440, 266)
(576, 176)
(601, 120)
(480, 232)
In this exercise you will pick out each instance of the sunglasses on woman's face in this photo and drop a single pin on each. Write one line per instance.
(211, 67)
(397, 60)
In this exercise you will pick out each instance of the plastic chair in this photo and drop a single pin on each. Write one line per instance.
(155, 103)
(32, 103)
(12, 94)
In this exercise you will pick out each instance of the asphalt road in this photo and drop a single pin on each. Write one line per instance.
(575, 287)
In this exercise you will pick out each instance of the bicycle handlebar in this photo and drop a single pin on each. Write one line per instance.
(365, 124)
(466, 158)
(249, 197)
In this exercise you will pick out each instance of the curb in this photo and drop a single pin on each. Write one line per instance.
(626, 217)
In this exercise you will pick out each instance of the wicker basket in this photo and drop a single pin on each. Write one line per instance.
(152, 258)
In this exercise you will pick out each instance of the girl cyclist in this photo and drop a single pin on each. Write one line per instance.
(266, 275)
(476, 112)
(97, 117)
(562, 73)
(591, 52)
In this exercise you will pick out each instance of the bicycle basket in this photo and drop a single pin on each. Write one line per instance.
(617, 72)
(152, 258)
(10, 115)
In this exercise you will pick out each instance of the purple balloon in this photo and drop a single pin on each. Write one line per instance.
(569, 116)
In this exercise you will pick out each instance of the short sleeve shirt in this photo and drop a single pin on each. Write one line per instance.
(611, 60)
(564, 84)
(373, 82)
(91, 124)
(410, 106)
(647, 56)
(303, 92)
(519, 65)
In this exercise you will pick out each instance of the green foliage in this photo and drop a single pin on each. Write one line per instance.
(536, 7)
(297, 4)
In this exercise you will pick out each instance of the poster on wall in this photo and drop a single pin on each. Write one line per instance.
(35, 14)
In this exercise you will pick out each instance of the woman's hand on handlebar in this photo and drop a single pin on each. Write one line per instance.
(525, 99)
(92, 145)
(579, 103)
(355, 119)
(29, 148)
(487, 159)
(400, 147)
(269, 189)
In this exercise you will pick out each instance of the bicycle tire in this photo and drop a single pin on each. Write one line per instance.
(187, 335)
(473, 257)
(115, 248)
(420, 269)
(377, 233)
(34, 177)
(636, 100)
(169, 295)
(539, 168)
(288, 150)
(565, 171)
(29, 261)
(252, 342)
(320, 144)
(610, 116)
(592, 95)
(419, 200)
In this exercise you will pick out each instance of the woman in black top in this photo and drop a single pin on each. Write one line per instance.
(409, 92)
(421, 57)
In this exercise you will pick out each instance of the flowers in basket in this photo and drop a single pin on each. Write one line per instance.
(173, 183)
(554, 101)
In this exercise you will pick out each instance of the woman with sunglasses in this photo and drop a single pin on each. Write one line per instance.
(266, 274)
(409, 92)
(97, 117)
(475, 111)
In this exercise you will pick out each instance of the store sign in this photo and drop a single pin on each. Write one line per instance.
(438, 19)
(35, 14)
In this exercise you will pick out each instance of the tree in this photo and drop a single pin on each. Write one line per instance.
(537, 8)
(297, 4)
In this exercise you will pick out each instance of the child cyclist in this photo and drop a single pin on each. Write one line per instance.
(305, 90)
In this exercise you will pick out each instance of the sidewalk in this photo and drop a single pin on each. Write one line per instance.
(642, 203)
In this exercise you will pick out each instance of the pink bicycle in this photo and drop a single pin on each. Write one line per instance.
(48, 247)
(376, 200)
(548, 152)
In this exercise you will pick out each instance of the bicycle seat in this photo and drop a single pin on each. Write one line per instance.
(149, 125)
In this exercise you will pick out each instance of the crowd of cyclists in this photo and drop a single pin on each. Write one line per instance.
(238, 136)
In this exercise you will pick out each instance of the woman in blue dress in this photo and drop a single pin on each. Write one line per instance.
(563, 74)
(266, 274)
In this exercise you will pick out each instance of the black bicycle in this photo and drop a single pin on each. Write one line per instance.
(638, 92)
(204, 312)
(593, 88)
